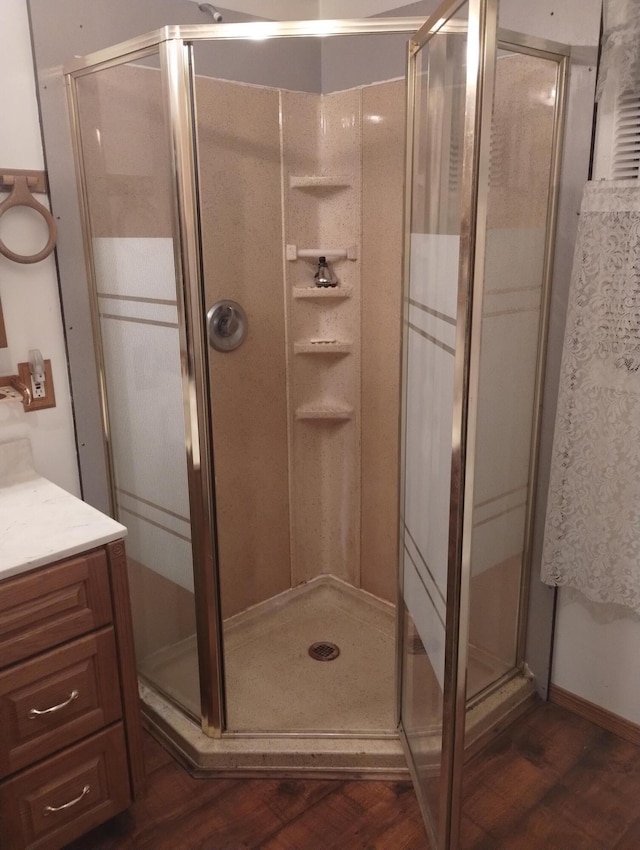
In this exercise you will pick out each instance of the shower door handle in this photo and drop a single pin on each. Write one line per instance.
(226, 325)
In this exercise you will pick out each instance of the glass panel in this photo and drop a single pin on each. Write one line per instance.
(128, 183)
(430, 332)
(422, 708)
(305, 411)
(518, 202)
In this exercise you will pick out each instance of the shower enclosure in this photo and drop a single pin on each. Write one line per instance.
(260, 484)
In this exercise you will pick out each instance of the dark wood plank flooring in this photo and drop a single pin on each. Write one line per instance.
(552, 781)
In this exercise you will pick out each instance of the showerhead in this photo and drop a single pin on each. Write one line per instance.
(215, 14)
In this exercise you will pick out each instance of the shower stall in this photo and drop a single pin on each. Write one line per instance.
(328, 488)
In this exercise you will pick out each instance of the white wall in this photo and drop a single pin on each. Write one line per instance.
(597, 653)
(29, 293)
(596, 650)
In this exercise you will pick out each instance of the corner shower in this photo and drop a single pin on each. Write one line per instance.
(260, 482)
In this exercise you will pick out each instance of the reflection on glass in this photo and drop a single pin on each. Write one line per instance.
(519, 179)
(429, 397)
(422, 710)
(127, 174)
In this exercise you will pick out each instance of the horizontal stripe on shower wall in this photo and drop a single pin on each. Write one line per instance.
(137, 267)
(159, 550)
(153, 505)
(135, 309)
(434, 261)
(430, 338)
(152, 522)
(499, 504)
(139, 321)
(449, 319)
(436, 591)
(168, 520)
(425, 618)
(137, 298)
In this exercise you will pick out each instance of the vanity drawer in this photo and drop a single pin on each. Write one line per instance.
(47, 806)
(52, 605)
(57, 698)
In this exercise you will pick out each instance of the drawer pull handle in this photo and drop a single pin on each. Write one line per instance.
(38, 712)
(49, 810)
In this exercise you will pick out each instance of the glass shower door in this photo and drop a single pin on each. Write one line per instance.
(122, 129)
(448, 70)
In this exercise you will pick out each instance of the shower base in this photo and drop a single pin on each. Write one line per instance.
(290, 715)
(286, 710)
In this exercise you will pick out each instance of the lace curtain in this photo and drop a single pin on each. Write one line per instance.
(620, 59)
(592, 533)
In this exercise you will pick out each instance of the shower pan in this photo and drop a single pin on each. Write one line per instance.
(258, 459)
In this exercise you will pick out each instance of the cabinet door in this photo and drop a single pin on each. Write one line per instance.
(47, 806)
(57, 699)
(50, 606)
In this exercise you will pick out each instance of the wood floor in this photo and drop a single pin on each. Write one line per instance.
(550, 782)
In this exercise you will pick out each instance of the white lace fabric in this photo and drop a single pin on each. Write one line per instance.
(592, 532)
(620, 59)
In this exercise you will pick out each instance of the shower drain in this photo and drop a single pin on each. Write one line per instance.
(322, 650)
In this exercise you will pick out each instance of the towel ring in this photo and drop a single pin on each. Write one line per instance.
(21, 197)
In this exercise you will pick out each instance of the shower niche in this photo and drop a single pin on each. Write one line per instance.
(260, 486)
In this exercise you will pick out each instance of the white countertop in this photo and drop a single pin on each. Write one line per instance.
(41, 523)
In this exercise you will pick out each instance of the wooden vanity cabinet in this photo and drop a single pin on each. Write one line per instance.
(70, 734)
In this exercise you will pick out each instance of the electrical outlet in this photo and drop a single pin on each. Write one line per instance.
(37, 390)
(45, 395)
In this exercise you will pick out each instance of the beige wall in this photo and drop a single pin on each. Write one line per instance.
(240, 192)
(317, 476)
(383, 111)
(321, 137)
(357, 134)
(125, 153)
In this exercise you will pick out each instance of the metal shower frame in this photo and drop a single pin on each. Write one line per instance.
(173, 45)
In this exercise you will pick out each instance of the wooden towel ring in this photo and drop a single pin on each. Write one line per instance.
(21, 197)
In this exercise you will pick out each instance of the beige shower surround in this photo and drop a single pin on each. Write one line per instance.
(315, 493)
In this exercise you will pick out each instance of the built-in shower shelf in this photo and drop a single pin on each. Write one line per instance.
(316, 181)
(322, 346)
(325, 414)
(322, 292)
(295, 253)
